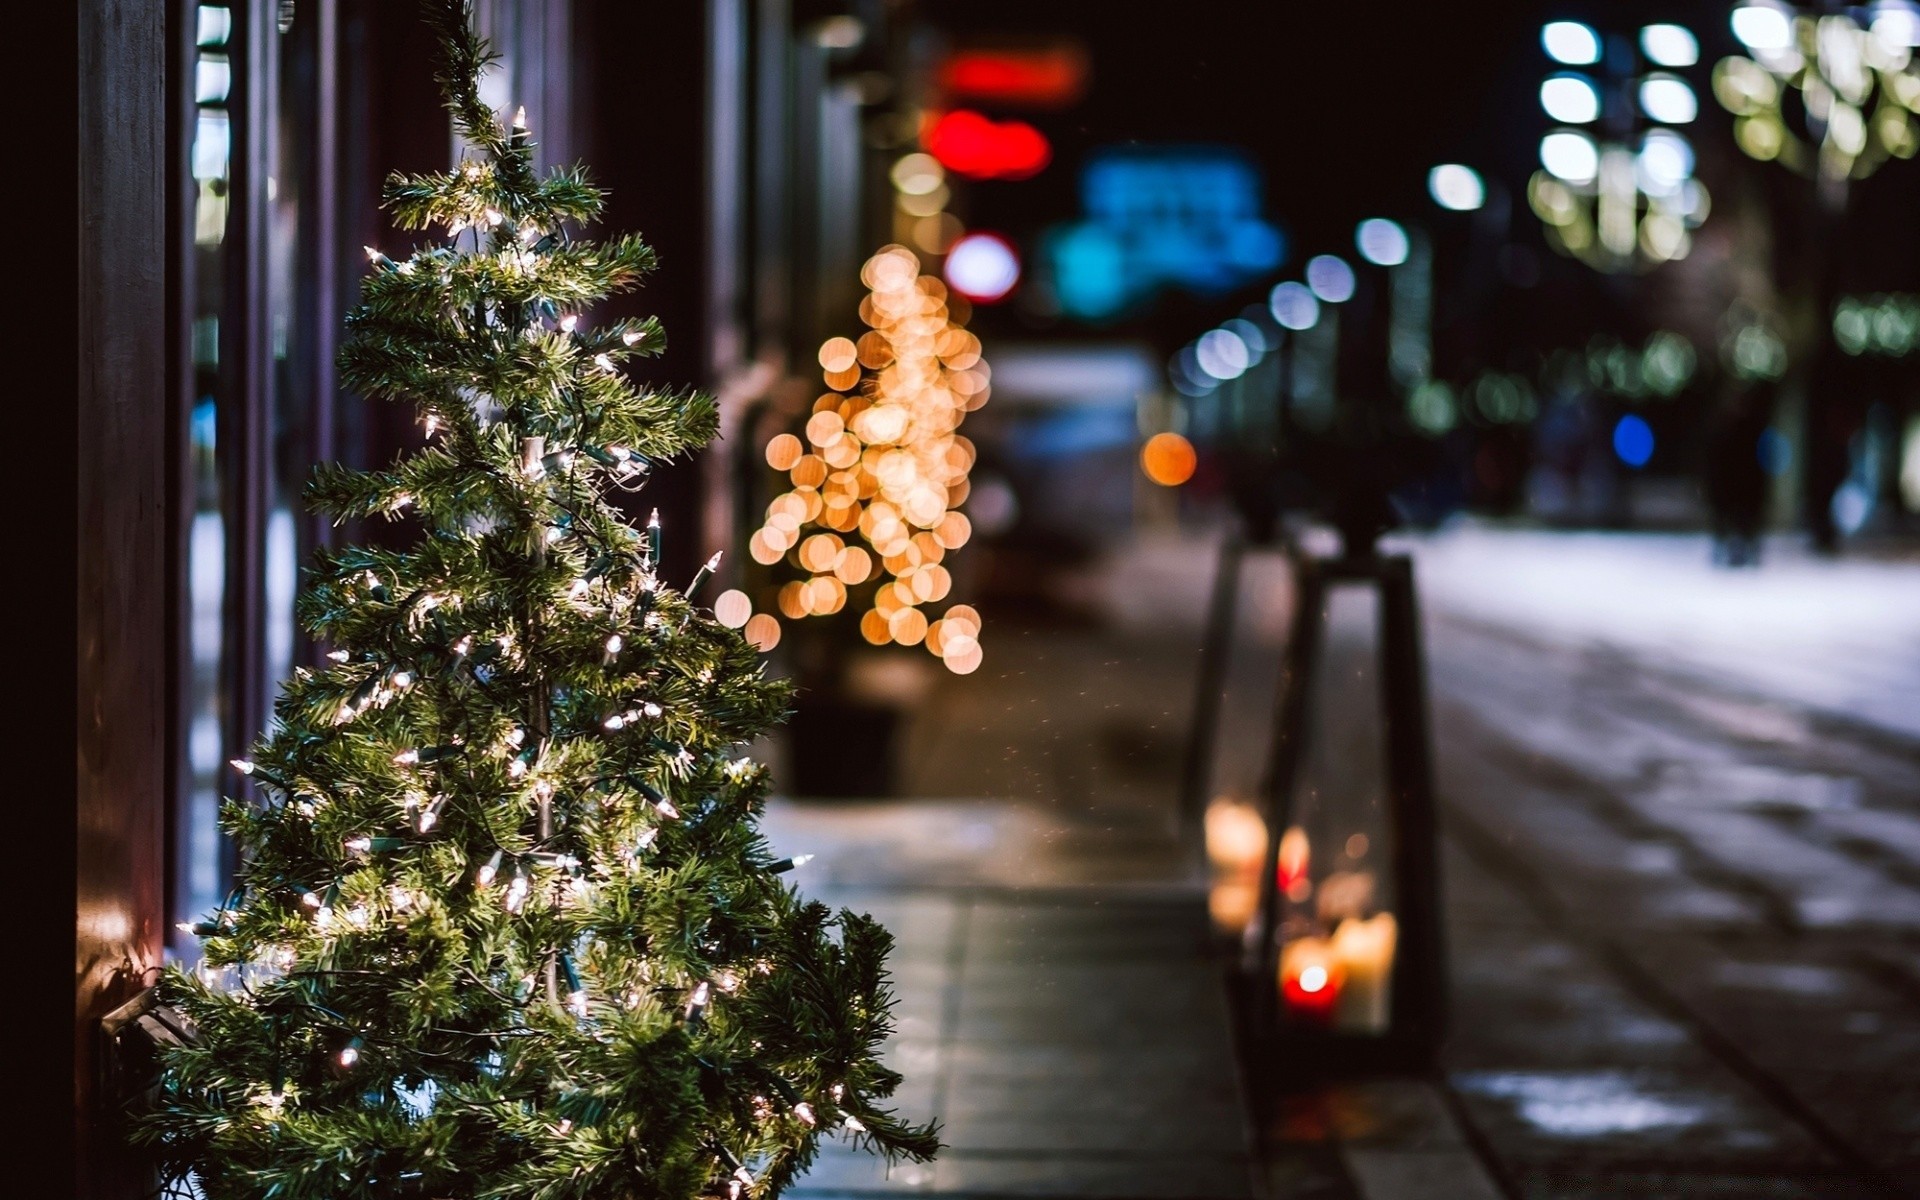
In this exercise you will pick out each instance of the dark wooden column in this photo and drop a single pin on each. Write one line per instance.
(645, 140)
(121, 435)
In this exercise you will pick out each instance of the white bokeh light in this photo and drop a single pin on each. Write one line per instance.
(1570, 99)
(1456, 187)
(1665, 162)
(1895, 26)
(1381, 242)
(1293, 306)
(1668, 99)
(1330, 278)
(982, 267)
(1762, 27)
(1670, 45)
(1570, 156)
(1570, 42)
(1222, 354)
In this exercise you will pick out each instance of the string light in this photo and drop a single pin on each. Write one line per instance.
(706, 570)
(350, 1053)
(517, 890)
(788, 864)
(489, 870)
(882, 459)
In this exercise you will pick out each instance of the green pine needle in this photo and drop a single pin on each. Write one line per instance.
(517, 770)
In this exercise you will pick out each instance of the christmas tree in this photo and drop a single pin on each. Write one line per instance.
(505, 926)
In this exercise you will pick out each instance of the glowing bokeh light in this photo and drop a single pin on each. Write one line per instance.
(1381, 242)
(1633, 440)
(732, 609)
(1222, 354)
(1570, 156)
(1668, 99)
(1762, 27)
(1665, 161)
(1456, 187)
(882, 462)
(1255, 337)
(1669, 45)
(1293, 305)
(1168, 459)
(1570, 99)
(1895, 26)
(983, 267)
(1570, 42)
(918, 174)
(1330, 278)
(978, 147)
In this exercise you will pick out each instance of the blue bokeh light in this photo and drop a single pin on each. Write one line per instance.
(1633, 440)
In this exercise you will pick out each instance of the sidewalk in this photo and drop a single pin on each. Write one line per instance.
(1060, 1011)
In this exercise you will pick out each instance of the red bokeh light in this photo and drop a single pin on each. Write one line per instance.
(969, 144)
(1052, 77)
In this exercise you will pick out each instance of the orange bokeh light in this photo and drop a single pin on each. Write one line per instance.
(1168, 459)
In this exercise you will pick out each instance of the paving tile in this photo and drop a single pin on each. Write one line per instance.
(842, 1171)
(1204, 1176)
(1398, 1114)
(1611, 1183)
(1419, 1175)
(1692, 1119)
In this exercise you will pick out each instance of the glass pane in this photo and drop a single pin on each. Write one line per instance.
(1337, 929)
(200, 878)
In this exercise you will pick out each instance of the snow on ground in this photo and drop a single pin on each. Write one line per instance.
(1837, 636)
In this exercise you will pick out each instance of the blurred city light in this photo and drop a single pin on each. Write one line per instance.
(1857, 92)
(1762, 27)
(1669, 45)
(1168, 459)
(1570, 156)
(1158, 216)
(1570, 42)
(1668, 99)
(1432, 407)
(1455, 187)
(1895, 25)
(1330, 278)
(1633, 440)
(1293, 305)
(1051, 76)
(982, 267)
(918, 174)
(1570, 99)
(1250, 333)
(1222, 354)
(1382, 242)
(1665, 162)
(977, 147)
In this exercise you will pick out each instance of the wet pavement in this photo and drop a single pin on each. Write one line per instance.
(1682, 910)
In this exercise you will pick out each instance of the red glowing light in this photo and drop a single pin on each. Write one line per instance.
(969, 144)
(1052, 77)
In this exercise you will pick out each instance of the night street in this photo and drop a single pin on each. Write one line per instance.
(862, 599)
(1682, 913)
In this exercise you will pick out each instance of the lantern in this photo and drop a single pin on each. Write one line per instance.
(1345, 965)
